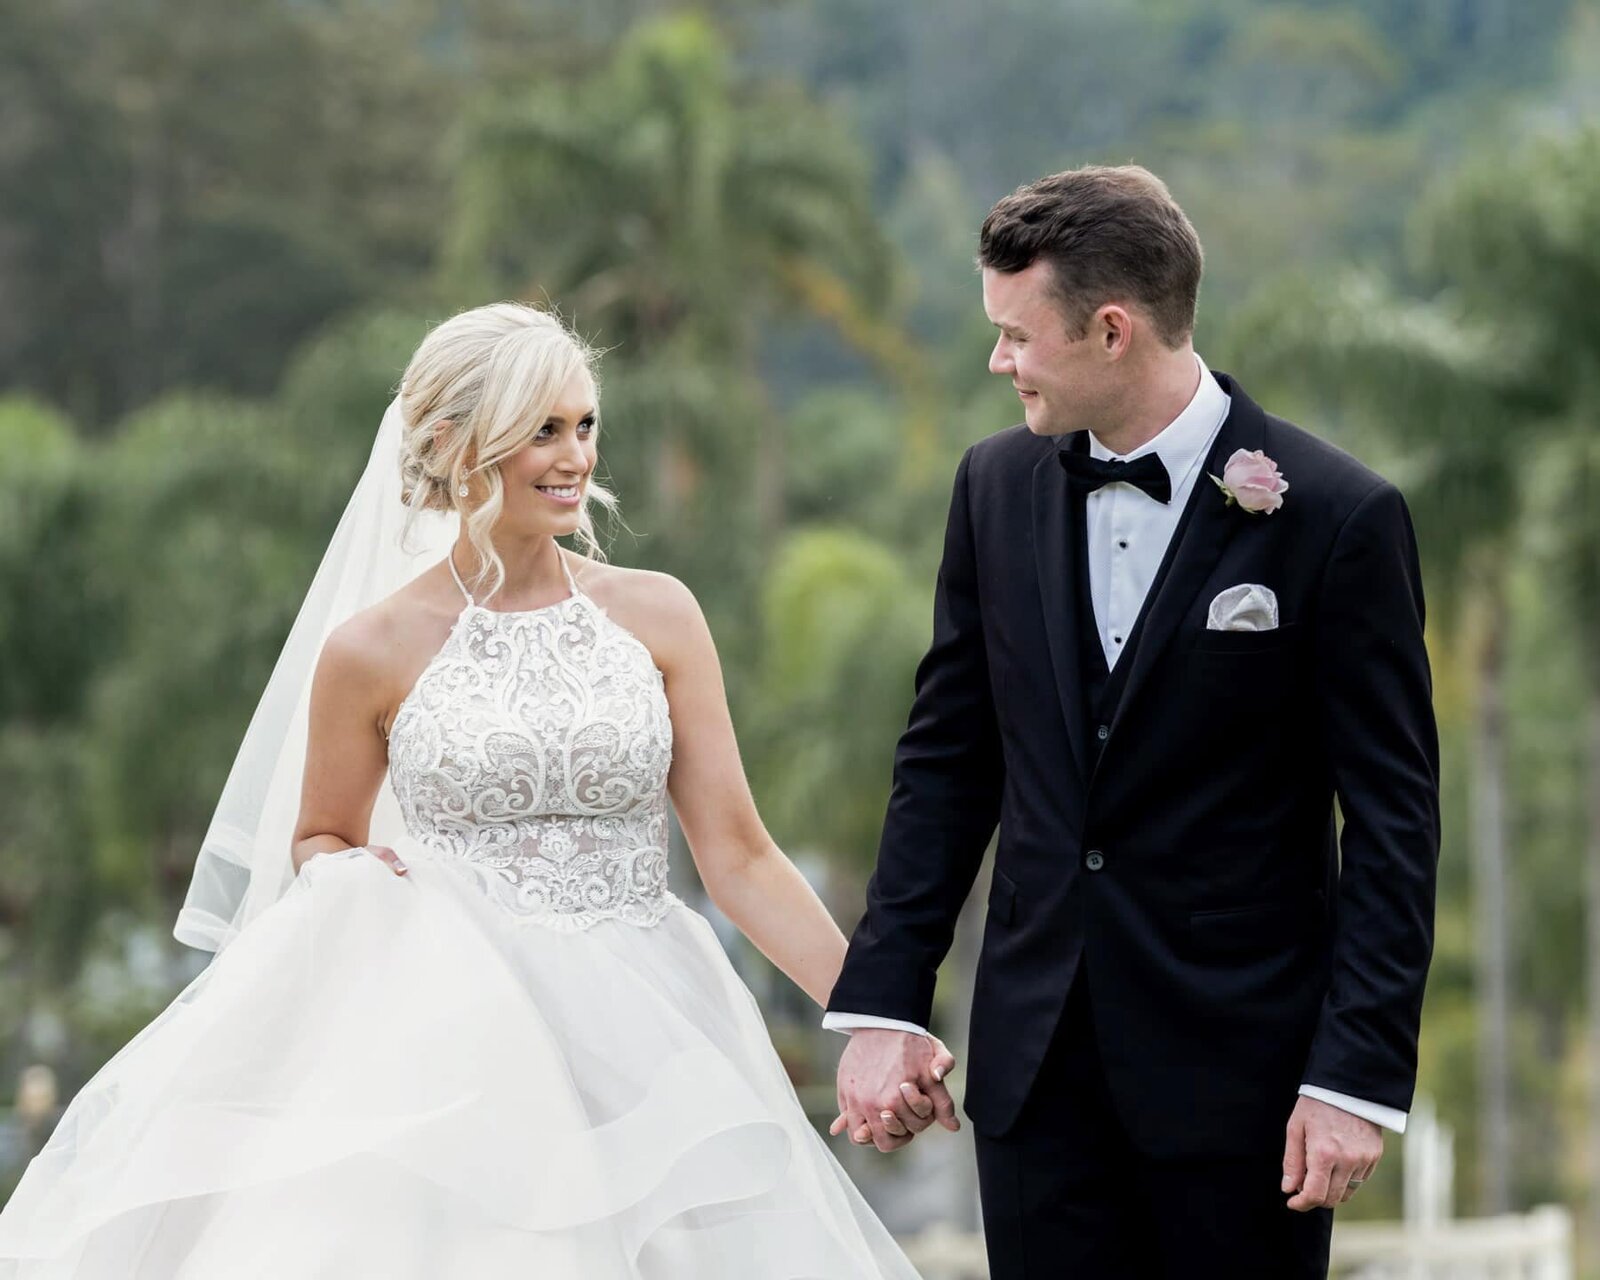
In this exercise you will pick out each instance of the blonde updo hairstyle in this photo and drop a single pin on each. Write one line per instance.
(477, 390)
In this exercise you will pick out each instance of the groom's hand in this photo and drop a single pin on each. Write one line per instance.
(891, 1087)
(1329, 1153)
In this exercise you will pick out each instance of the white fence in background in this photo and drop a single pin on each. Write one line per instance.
(1429, 1244)
(1433, 1244)
(1531, 1246)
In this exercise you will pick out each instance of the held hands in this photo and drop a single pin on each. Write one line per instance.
(1328, 1154)
(891, 1087)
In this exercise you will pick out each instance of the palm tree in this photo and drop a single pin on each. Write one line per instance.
(670, 209)
(1452, 406)
(1509, 367)
(1523, 235)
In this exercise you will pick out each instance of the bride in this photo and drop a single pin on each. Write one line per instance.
(457, 1025)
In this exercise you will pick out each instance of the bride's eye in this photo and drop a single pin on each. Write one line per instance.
(585, 428)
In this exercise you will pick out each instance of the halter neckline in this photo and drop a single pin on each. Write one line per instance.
(572, 584)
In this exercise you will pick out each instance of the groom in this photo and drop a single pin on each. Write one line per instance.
(1170, 630)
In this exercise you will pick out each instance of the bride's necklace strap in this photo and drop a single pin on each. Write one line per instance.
(451, 561)
(572, 582)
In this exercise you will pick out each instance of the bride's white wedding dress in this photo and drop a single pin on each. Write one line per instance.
(525, 1058)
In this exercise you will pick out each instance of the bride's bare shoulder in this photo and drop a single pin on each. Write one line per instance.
(656, 607)
(380, 647)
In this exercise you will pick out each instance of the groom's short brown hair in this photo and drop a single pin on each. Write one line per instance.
(1108, 234)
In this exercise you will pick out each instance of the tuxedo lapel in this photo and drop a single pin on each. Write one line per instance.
(1207, 526)
(1055, 547)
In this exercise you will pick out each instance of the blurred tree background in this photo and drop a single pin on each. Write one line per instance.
(223, 230)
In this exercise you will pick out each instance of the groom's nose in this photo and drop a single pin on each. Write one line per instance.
(1000, 360)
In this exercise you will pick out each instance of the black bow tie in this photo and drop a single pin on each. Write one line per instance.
(1089, 473)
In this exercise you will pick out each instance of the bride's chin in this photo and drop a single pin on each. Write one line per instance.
(534, 527)
(549, 508)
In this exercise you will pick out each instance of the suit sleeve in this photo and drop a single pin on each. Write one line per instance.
(1381, 741)
(943, 805)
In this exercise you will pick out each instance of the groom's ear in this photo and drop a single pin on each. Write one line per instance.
(1111, 329)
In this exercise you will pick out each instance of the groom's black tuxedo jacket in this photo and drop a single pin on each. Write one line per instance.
(1174, 839)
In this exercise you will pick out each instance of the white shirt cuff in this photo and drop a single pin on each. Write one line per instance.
(848, 1022)
(1388, 1117)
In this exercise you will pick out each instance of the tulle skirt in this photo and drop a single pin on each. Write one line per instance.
(399, 1077)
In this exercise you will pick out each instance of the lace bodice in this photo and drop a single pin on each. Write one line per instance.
(535, 747)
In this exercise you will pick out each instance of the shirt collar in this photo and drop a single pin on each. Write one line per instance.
(1183, 441)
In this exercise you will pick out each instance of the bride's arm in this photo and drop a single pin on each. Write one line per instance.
(749, 878)
(345, 751)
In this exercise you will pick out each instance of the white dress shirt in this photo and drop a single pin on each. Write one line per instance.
(1129, 530)
(1128, 536)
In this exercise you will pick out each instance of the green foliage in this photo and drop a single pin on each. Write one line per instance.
(671, 205)
(50, 891)
(1519, 232)
(1488, 390)
(50, 620)
(1433, 393)
(223, 232)
(33, 435)
(334, 391)
(52, 630)
(842, 446)
(191, 536)
(844, 627)
(176, 177)
(661, 194)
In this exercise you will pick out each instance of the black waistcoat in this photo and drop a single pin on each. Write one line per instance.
(1102, 686)
(1100, 692)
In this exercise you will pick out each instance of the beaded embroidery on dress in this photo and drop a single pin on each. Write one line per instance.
(536, 745)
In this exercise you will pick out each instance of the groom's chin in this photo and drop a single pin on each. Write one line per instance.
(1037, 420)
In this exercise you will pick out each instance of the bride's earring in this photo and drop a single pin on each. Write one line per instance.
(462, 491)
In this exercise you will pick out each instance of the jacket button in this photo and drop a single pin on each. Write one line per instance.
(1095, 860)
(1103, 732)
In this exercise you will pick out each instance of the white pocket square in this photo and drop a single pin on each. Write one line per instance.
(1246, 607)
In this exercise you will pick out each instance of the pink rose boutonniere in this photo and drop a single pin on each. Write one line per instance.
(1253, 481)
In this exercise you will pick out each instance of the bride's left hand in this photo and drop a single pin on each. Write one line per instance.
(924, 1105)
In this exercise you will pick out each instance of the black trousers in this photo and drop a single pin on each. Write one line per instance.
(1066, 1196)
